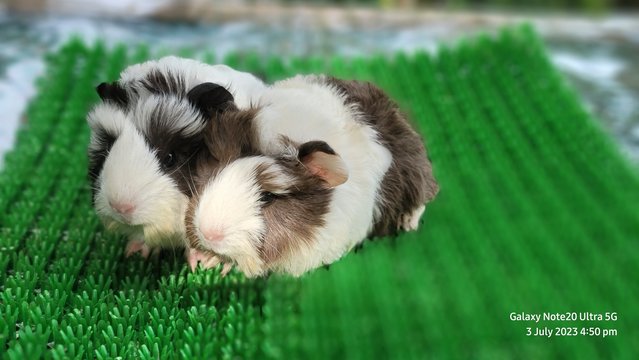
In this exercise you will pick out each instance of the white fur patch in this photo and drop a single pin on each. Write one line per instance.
(131, 174)
(104, 117)
(230, 203)
(108, 117)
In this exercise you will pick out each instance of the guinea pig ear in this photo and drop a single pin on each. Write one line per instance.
(113, 92)
(210, 99)
(321, 160)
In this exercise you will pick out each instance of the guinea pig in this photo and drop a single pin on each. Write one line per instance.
(319, 165)
(146, 137)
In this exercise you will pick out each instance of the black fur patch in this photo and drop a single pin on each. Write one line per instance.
(98, 155)
(210, 99)
(312, 146)
(113, 93)
(157, 82)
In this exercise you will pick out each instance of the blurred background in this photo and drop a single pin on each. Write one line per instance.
(594, 42)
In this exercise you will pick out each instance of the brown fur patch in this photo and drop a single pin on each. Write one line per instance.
(191, 234)
(230, 135)
(293, 218)
(409, 181)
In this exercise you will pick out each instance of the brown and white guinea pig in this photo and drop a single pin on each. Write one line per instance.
(146, 136)
(319, 165)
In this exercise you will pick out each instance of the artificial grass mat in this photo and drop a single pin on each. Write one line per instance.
(537, 213)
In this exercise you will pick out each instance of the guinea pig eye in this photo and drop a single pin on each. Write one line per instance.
(168, 161)
(267, 197)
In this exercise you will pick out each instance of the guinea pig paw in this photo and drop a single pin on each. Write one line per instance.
(155, 253)
(212, 262)
(206, 259)
(226, 268)
(135, 246)
(410, 221)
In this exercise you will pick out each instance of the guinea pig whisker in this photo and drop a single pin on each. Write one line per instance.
(190, 183)
(183, 163)
(272, 247)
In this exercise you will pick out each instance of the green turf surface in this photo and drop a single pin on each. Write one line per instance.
(537, 213)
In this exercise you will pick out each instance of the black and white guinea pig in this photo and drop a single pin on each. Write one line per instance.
(146, 136)
(318, 166)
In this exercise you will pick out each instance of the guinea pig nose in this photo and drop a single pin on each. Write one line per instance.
(123, 208)
(213, 234)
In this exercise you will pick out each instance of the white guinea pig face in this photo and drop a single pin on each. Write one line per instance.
(142, 157)
(259, 211)
(140, 175)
